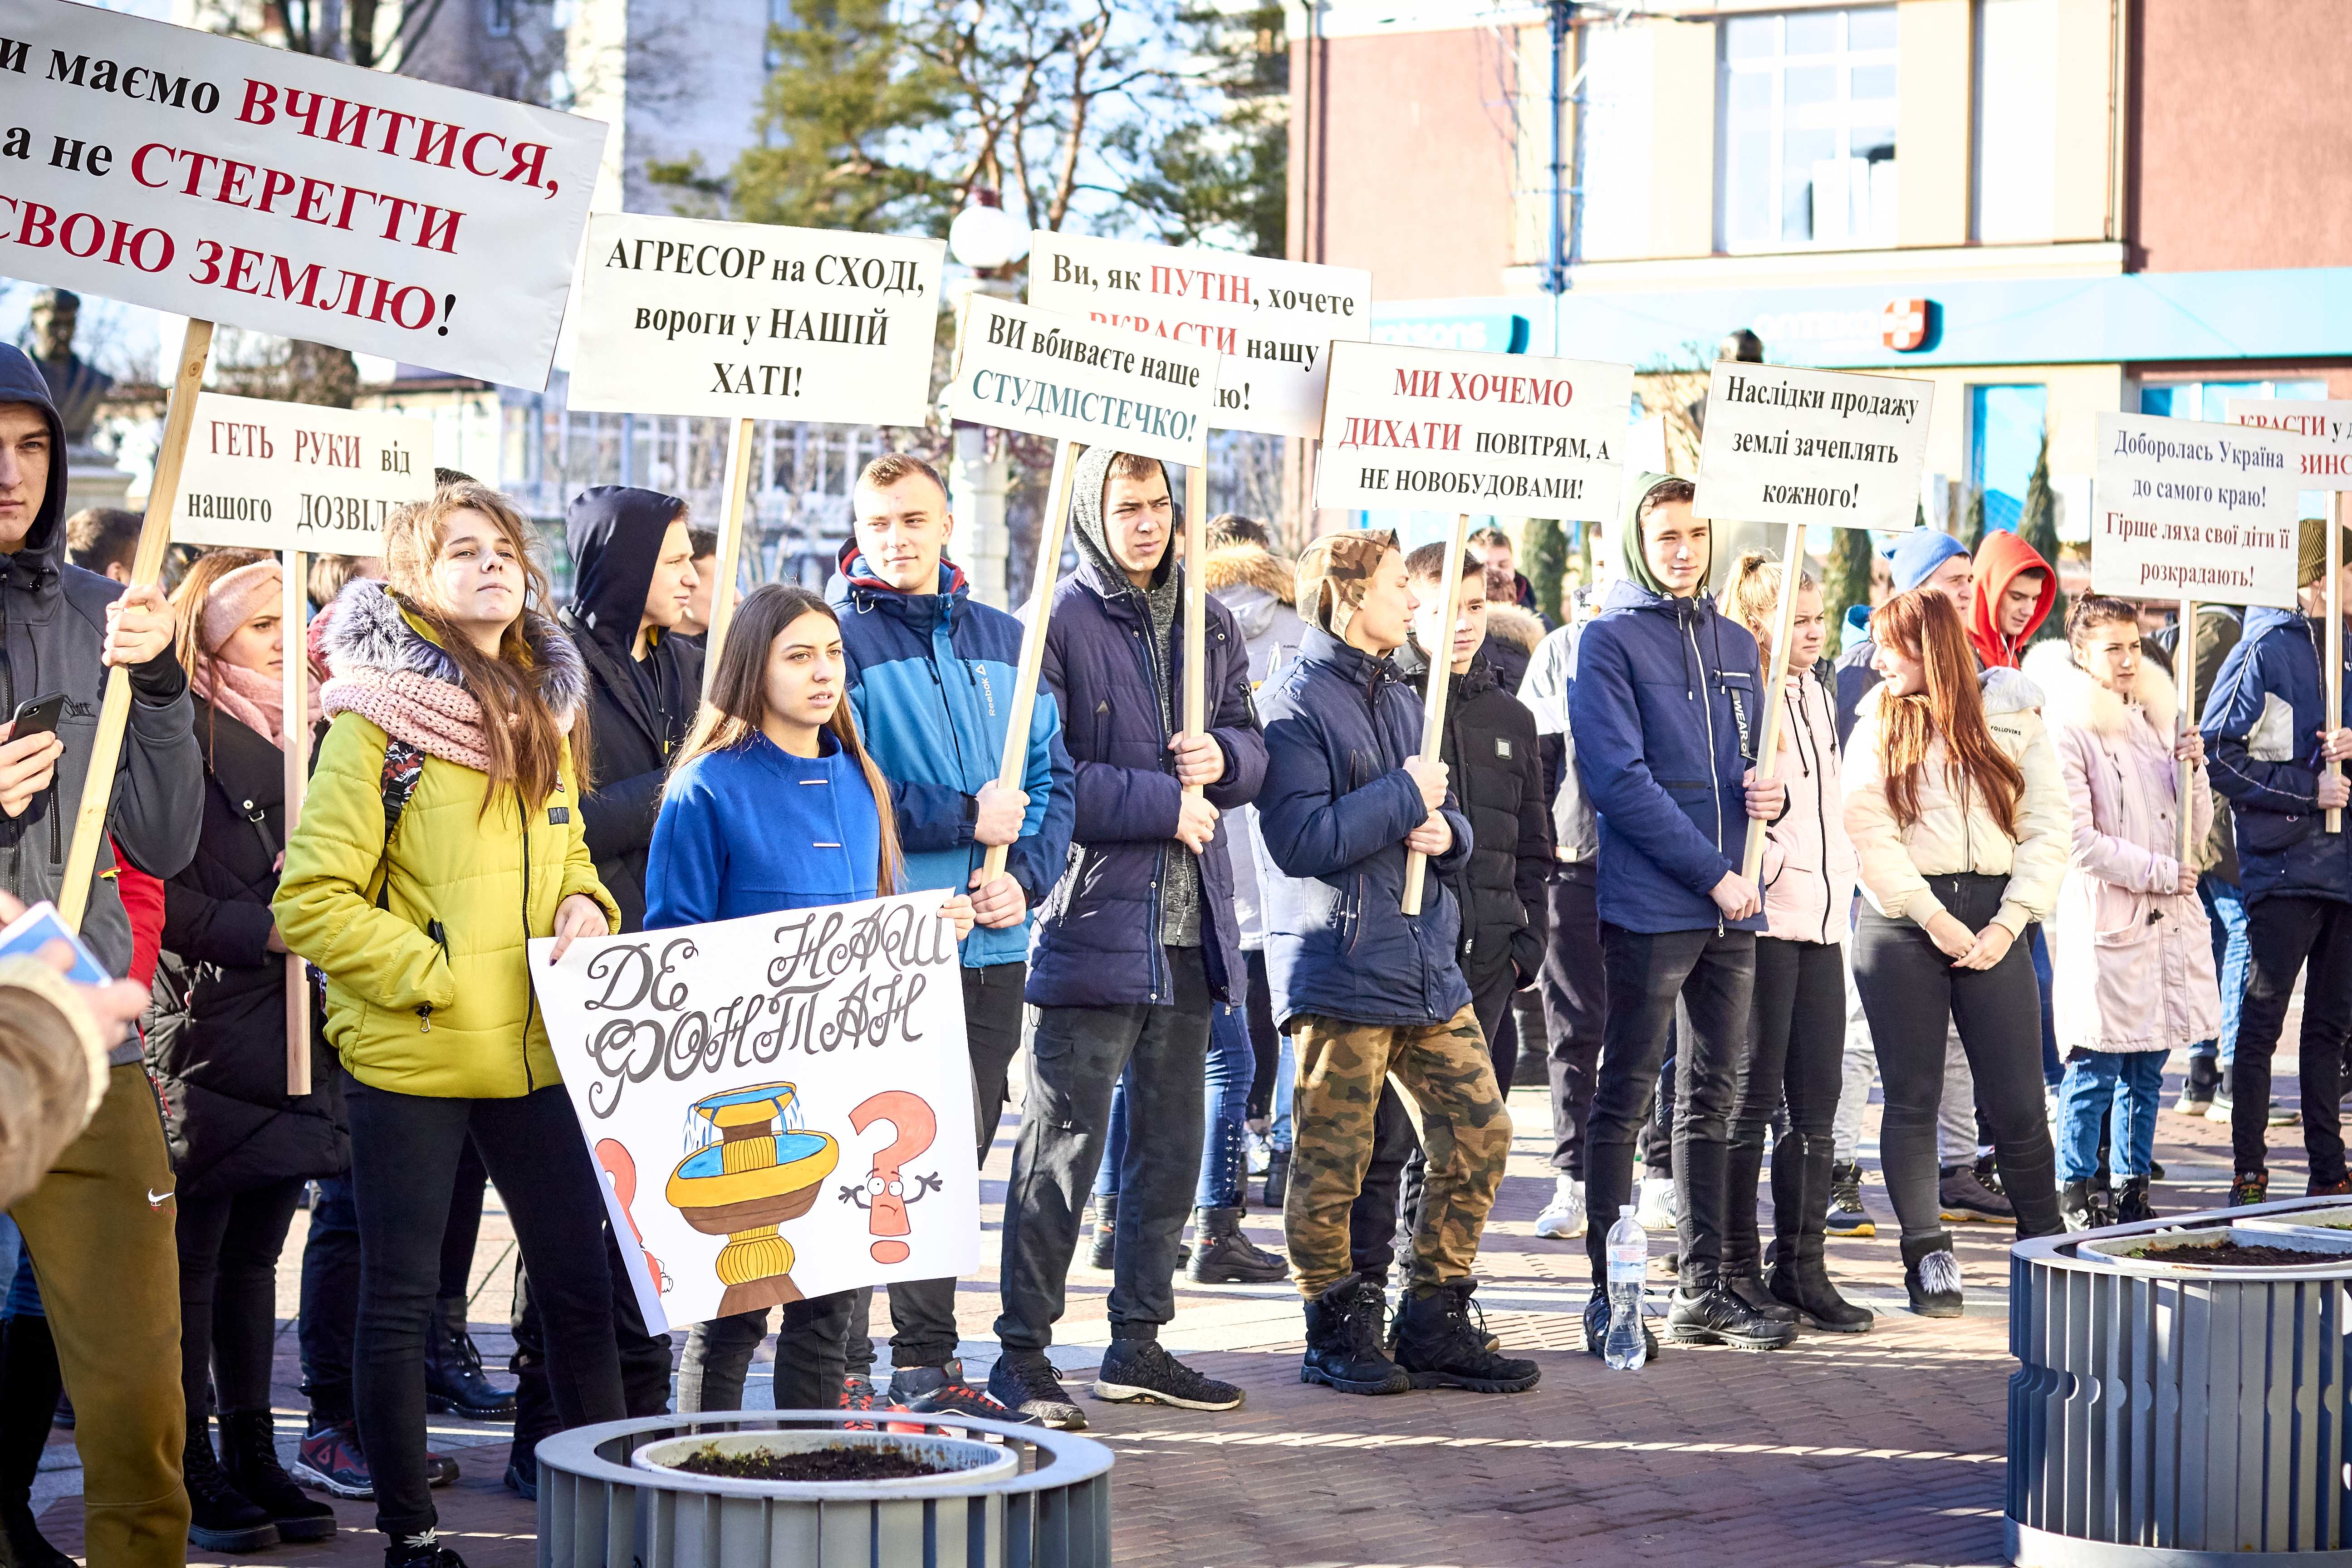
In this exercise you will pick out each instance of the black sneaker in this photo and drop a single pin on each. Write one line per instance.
(1343, 1340)
(1717, 1317)
(2249, 1187)
(424, 1550)
(857, 1396)
(1138, 1370)
(1102, 1249)
(1846, 1214)
(2197, 1090)
(1961, 1195)
(1596, 1330)
(1027, 1381)
(1760, 1300)
(220, 1517)
(1439, 1346)
(942, 1391)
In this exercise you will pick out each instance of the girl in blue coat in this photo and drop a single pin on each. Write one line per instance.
(773, 805)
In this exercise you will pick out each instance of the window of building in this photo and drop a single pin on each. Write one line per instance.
(1806, 129)
(1614, 221)
(2015, 197)
(498, 17)
(2005, 427)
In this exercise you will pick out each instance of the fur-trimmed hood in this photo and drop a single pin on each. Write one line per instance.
(1510, 624)
(1250, 565)
(369, 631)
(2076, 701)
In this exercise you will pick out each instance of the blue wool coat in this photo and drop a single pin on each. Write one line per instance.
(2262, 724)
(755, 830)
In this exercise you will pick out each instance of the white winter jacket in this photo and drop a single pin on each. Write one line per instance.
(1956, 832)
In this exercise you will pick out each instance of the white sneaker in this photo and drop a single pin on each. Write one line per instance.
(1261, 1152)
(1563, 1217)
(1658, 1210)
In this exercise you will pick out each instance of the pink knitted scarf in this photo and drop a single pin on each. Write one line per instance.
(436, 717)
(254, 699)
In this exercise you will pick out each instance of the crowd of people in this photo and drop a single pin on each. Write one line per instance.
(1286, 935)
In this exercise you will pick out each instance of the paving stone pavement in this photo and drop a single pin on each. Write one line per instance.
(1879, 1449)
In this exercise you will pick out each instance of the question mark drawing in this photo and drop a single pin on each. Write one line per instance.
(914, 1123)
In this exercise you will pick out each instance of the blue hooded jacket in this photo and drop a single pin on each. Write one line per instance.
(2262, 727)
(931, 677)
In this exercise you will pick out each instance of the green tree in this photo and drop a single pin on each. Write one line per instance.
(1972, 530)
(1546, 563)
(1848, 579)
(2038, 526)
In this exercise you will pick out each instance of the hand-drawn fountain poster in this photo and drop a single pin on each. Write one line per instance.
(780, 1105)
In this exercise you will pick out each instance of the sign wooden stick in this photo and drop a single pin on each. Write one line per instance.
(2184, 721)
(1196, 609)
(297, 655)
(1784, 632)
(2334, 635)
(730, 550)
(146, 567)
(1014, 766)
(1432, 709)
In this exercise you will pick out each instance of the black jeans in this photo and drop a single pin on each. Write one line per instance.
(922, 1311)
(1075, 1056)
(809, 1366)
(1798, 1024)
(645, 1358)
(229, 1294)
(1909, 990)
(330, 1301)
(1709, 977)
(2284, 933)
(404, 1155)
(1575, 992)
(465, 1228)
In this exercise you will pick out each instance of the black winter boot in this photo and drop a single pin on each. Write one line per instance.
(220, 1517)
(1439, 1347)
(1277, 1178)
(249, 1455)
(1932, 1275)
(1102, 1242)
(29, 1391)
(1343, 1342)
(454, 1381)
(2131, 1202)
(1801, 1277)
(424, 1550)
(2085, 1207)
(1222, 1255)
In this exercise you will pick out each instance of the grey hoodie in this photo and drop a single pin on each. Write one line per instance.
(52, 625)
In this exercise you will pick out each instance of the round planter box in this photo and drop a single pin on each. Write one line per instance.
(2176, 1415)
(969, 1462)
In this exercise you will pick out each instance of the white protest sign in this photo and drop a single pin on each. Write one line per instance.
(2325, 425)
(225, 181)
(1272, 320)
(749, 320)
(2191, 511)
(1019, 368)
(1784, 445)
(293, 475)
(782, 1104)
(1452, 430)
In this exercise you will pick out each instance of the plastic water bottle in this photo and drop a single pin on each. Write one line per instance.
(1629, 1261)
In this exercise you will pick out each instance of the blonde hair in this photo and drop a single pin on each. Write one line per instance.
(1754, 591)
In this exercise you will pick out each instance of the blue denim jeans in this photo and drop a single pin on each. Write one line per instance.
(2225, 905)
(1286, 1087)
(22, 1295)
(2053, 1070)
(1224, 1100)
(2131, 1081)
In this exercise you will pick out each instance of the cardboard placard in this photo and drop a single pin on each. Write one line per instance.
(836, 1036)
(223, 181)
(1784, 445)
(294, 476)
(1019, 368)
(2326, 428)
(749, 320)
(1450, 430)
(1274, 321)
(2186, 510)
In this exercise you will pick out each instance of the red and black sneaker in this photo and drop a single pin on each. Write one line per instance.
(858, 1395)
(942, 1391)
(2249, 1187)
(2336, 1188)
(330, 1459)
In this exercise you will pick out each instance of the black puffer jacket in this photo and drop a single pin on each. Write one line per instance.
(216, 1035)
(1496, 775)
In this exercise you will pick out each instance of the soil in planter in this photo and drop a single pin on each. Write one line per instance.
(2235, 1255)
(837, 1464)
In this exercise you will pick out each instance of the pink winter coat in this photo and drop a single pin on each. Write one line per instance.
(2131, 959)
(1809, 862)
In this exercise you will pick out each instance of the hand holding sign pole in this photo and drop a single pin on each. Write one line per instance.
(1433, 694)
(1767, 739)
(1012, 767)
(1196, 608)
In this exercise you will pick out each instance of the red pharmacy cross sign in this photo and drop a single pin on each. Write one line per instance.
(1903, 326)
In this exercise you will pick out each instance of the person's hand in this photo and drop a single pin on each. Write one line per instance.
(1736, 896)
(138, 626)
(1989, 947)
(998, 901)
(2185, 882)
(1765, 797)
(1431, 777)
(2336, 744)
(1199, 759)
(578, 915)
(2334, 789)
(959, 909)
(1196, 823)
(26, 768)
(276, 941)
(2189, 748)
(1947, 932)
(1433, 836)
(1001, 814)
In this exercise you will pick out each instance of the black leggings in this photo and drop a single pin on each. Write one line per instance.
(1909, 989)
(1797, 1026)
(229, 1294)
(405, 1150)
(1265, 1042)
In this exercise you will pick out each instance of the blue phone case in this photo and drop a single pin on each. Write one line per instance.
(41, 925)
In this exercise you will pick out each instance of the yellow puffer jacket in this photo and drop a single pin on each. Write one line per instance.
(455, 1019)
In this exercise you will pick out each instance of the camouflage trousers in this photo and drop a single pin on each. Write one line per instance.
(1447, 1082)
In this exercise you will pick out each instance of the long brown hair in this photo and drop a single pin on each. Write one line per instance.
(523, 735)
(739, 701)
(1923, 624)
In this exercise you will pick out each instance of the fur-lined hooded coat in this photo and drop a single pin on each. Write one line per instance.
(420, 934)
(2132, 958)
(1260, 589)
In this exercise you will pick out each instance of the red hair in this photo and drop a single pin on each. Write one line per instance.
(1923, 624)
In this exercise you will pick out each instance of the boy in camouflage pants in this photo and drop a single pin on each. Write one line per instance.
(1370, 993)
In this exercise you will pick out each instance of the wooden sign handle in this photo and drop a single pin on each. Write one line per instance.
(1433, 700)
(730, 550)
(296, 655)
(1784, 632)
(146, 568)
(2335, 636)
(2184, 776)
(1015, 765)
(1196, 608)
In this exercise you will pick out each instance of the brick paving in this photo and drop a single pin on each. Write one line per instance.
(1879, 1449)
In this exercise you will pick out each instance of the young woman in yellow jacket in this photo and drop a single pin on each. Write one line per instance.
(455, 701)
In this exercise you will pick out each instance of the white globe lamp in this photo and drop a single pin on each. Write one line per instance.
(985, 236)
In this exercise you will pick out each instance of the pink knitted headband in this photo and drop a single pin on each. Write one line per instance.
(236, 597)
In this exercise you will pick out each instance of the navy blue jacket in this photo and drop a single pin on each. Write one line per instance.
(2262, 727)
(1097, 940)
(1664, 707)
(1336, 809)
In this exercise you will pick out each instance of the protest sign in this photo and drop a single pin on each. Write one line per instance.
(1447, 429)
(1019, 368)
(2189, 510)
(782, 1103)
(1274, 321)
(295, 476)
(286, 193)
(755, 322)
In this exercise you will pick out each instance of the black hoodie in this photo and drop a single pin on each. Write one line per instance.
(52, 626)
(639, 712)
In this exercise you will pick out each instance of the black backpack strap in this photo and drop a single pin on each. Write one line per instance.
(404, 765)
